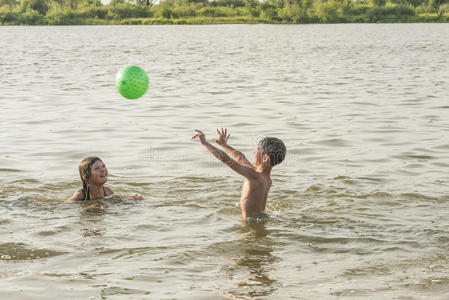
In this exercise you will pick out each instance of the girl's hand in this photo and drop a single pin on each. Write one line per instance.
(223, 137)
(136, 196)
(93, 206)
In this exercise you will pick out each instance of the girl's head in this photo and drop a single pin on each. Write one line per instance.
(92, 172)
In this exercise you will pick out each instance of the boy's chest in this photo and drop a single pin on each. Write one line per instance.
(260, 185)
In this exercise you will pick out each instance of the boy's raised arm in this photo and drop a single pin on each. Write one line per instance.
(222, 140)
(241, 169)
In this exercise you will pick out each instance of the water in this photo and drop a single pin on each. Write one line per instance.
(357, 210)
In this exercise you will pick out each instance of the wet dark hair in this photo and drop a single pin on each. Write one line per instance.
(85, 169)
(274, 148)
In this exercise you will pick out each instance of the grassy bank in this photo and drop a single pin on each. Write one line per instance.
(246, 20)
(144, 12)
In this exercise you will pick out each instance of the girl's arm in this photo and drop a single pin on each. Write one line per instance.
(78, 196)
(109, 191)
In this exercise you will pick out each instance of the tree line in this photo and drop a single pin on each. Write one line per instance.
(74, 12)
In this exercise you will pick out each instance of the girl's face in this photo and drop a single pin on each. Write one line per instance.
(98, 173)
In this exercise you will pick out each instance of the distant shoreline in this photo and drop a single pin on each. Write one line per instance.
(195, 12)
(224, 21)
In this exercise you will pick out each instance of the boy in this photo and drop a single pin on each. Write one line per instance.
(270, 152)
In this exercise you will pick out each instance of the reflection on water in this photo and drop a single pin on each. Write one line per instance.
(93, 213)
(252, 259)
(92, 216)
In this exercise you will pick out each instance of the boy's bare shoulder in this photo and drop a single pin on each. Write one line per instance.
(247, 171)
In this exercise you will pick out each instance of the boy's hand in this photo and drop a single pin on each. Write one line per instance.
(223, 137)
(201, 136)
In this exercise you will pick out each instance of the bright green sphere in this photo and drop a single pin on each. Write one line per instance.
(132, 82)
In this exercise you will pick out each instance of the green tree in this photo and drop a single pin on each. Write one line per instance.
(443, 9)
(73, 4)
(116, 2)
(414, 3)
(30, 17)
(277, 3)
(55, 14)
(8, 14)
(253, 7)
(328, 12)
(436, 6)
(293, 13)
(8, 2)
(379, 2)
(227, 3)
(40, 6)
(203, 2)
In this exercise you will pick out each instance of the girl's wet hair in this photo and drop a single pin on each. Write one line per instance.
(274, 148)
(85, 171)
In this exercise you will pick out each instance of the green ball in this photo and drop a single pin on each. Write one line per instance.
(132, 82)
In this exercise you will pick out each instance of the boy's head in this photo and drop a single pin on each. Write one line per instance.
(273, 148)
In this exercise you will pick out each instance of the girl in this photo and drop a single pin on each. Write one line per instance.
(94, 175)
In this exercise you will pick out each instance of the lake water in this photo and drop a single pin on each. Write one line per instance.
(359, 208)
